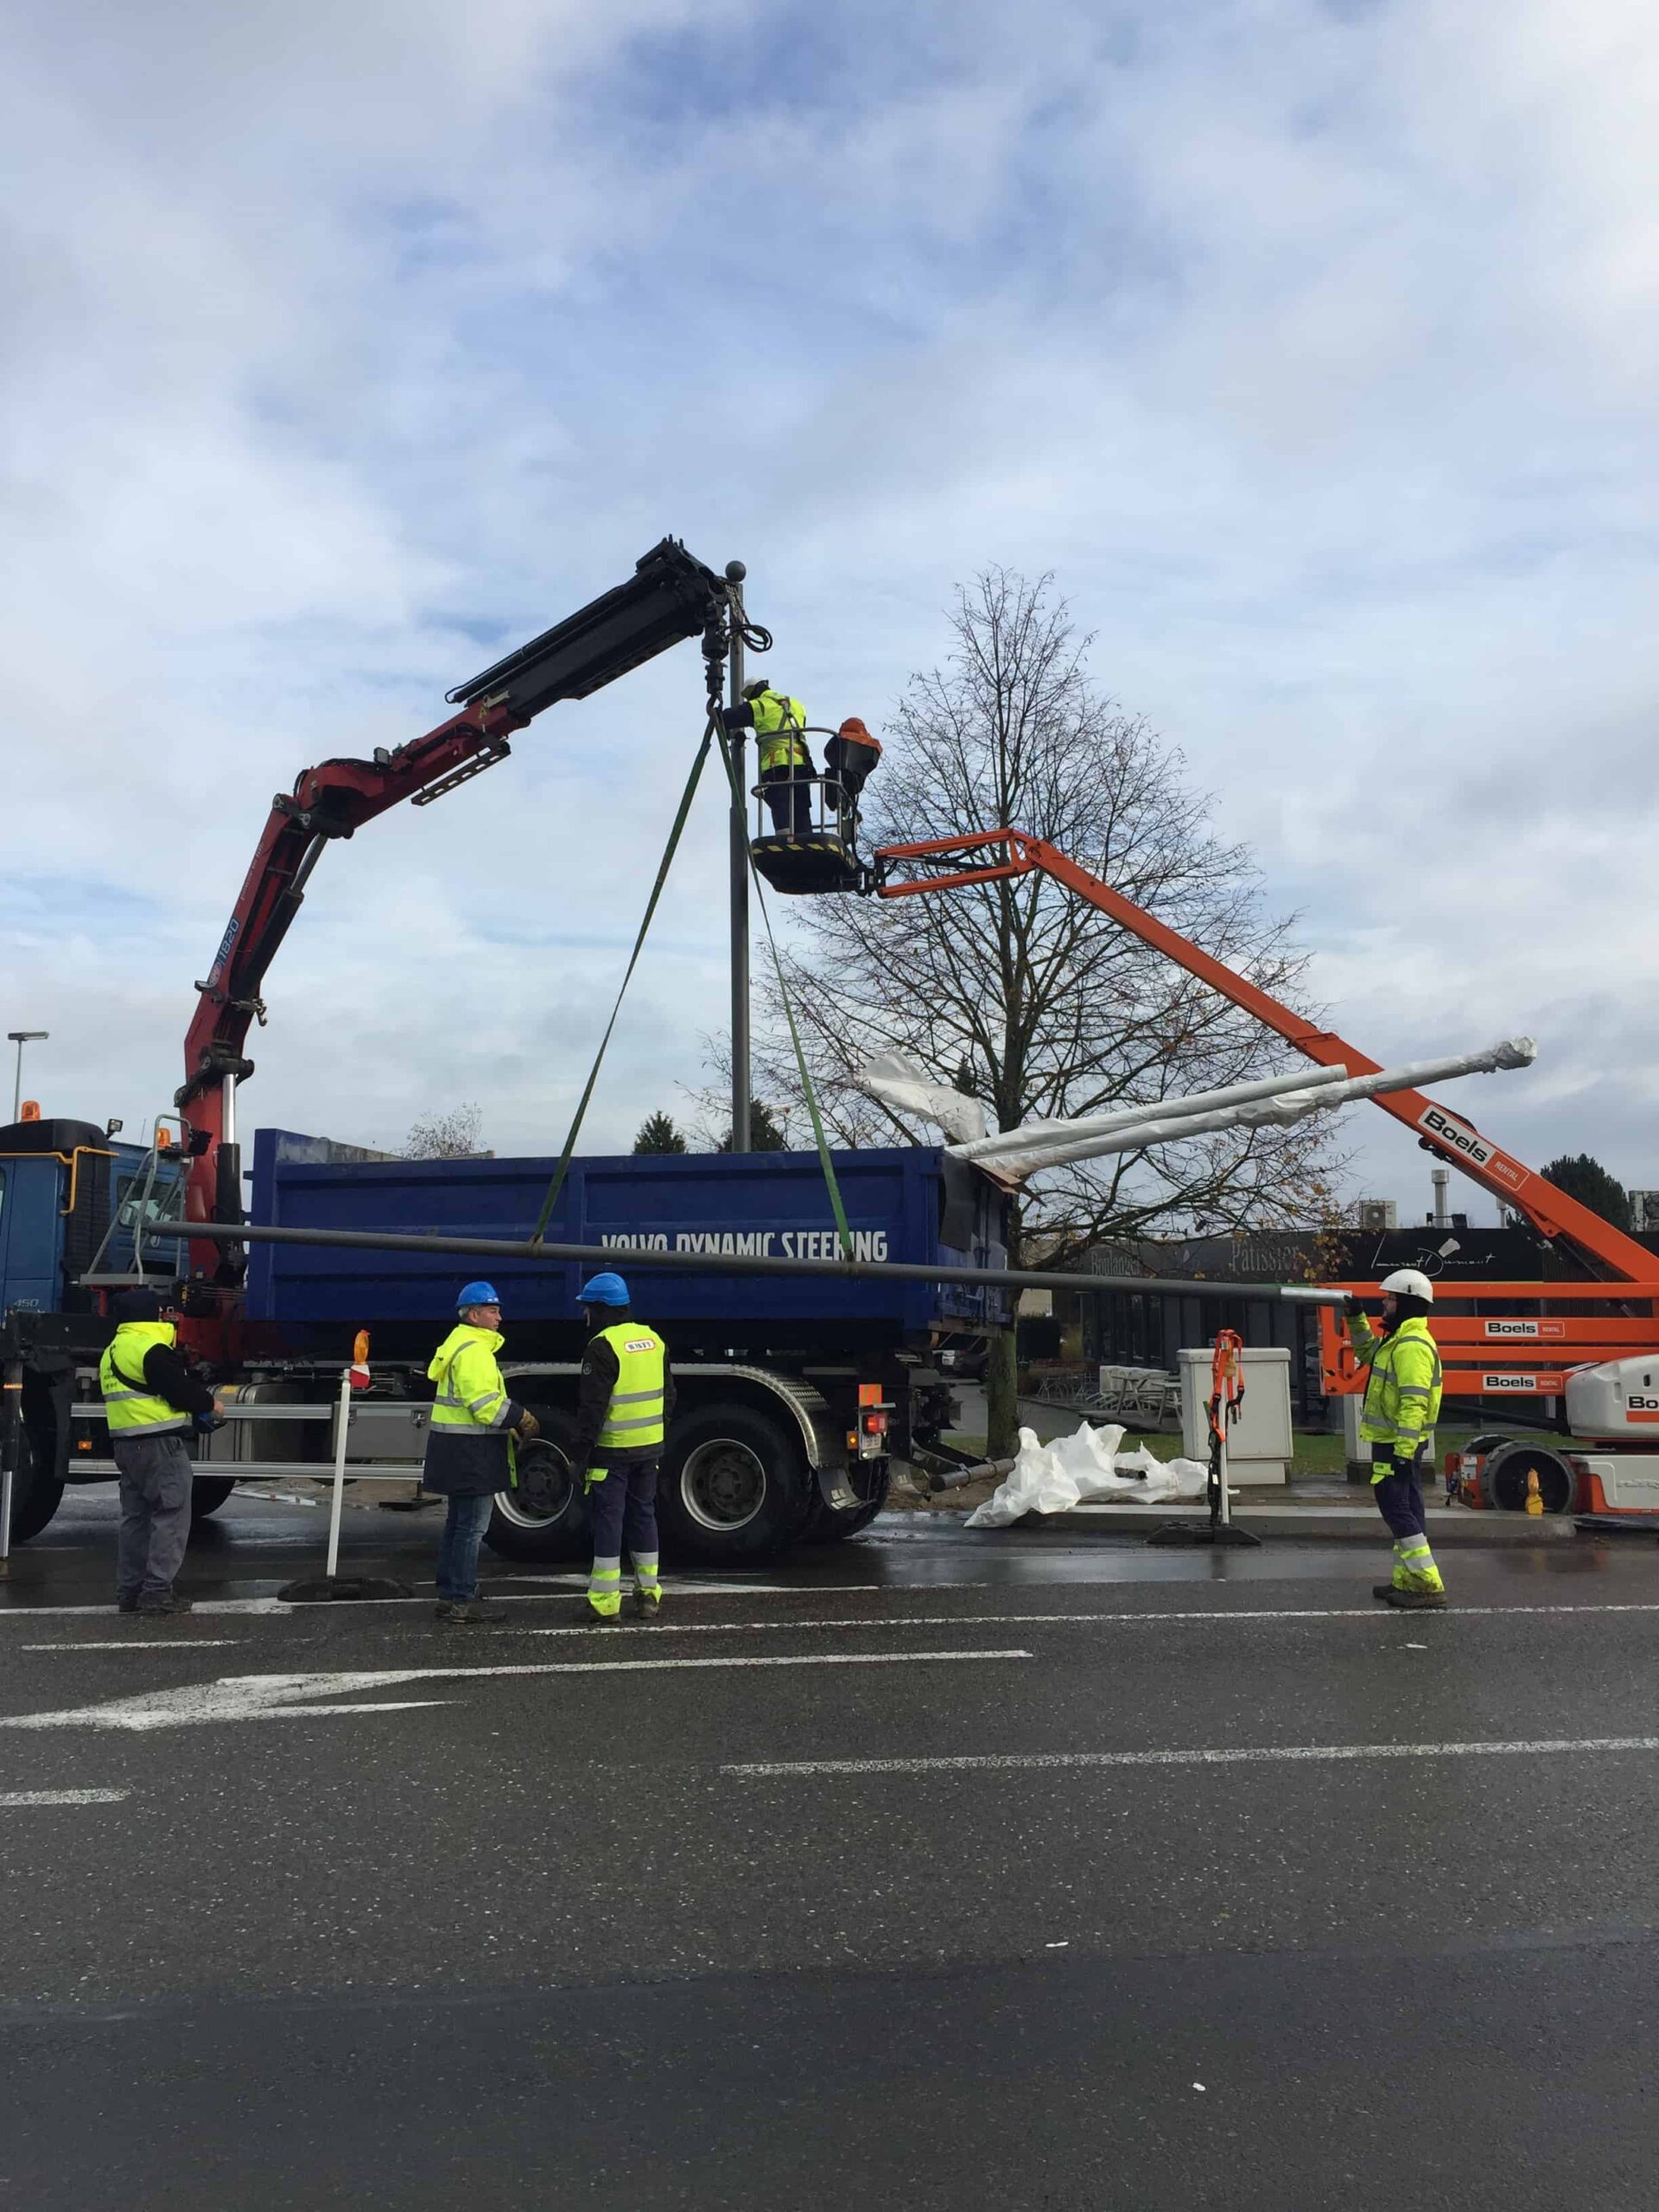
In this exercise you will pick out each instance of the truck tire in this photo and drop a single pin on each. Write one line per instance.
(735, 1488)
(825, 1526)
(208, 1493)
(35, 1496)
(543, 1521)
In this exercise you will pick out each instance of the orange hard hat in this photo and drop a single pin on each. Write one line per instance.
(856, 734)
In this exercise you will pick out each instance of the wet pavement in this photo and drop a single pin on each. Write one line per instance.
(1014, 1869)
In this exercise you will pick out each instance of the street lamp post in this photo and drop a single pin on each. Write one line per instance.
(20, 1038)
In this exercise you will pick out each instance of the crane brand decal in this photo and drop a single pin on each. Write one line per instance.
(1458, 1134)
(1510, 1382)
(757, 1244)
(225, 945)
(1527, 1331)
(1640, 1401)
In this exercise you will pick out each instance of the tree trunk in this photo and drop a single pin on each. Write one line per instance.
(1001, 1397)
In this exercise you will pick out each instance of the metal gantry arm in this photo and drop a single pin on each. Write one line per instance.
(670, 597)
(993, 855)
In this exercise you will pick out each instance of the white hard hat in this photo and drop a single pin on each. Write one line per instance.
(1410, 1282)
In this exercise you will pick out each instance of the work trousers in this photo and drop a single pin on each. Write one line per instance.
(623, 1510)
(1400, 1501)
(463, 1532)
(789, 799)
(156, 1474)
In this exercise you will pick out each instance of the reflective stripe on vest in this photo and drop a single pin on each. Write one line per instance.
(778, 722)
(130, 1407)
(633, 1420)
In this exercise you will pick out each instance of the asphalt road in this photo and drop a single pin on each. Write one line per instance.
(1006, 1871)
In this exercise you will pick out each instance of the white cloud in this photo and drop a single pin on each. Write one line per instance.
(1314, 347)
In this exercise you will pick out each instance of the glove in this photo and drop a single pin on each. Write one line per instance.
(1352, 1306)
(205, 1424)
(528, 1428)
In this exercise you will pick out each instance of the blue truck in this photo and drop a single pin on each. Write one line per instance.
(796, 1395)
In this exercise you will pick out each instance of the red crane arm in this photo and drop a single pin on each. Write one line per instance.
(1550, 1210)
(670, 597)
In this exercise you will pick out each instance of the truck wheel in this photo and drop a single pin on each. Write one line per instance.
(208, 1493)
(1503, 1477)
(735, 1488)
(825, 1526)
(543, 1518)
(35, 1496)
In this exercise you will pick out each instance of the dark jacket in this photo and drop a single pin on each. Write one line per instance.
(167, 1375)
(599, 1373)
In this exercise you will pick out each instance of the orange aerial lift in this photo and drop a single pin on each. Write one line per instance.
(1599, 1356)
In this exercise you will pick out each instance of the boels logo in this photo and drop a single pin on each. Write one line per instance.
(1459, 1137)
(1527, 1331)
(1510, 1383)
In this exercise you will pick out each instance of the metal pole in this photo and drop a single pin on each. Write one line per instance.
(17, 1085)
(342, 1423)
(742, 1087)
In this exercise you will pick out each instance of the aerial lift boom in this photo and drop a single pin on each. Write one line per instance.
(670, 597)
(992, 856)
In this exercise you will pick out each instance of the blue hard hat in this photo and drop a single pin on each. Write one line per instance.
(478, 1293)
(603, 1290)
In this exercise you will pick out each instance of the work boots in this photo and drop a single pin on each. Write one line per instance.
(648, 1607)
(1417, 1601)
(472, 1613)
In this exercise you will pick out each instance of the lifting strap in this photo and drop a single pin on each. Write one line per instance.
(843, 1233)
(563, 1168)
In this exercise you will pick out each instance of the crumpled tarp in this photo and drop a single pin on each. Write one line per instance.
(1087, 1469)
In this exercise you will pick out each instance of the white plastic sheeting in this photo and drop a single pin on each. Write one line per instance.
(899, 1082)
(1087, 1469)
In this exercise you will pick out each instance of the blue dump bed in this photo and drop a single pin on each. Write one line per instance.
(904, 1203)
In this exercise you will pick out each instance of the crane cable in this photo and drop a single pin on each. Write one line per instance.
(754, 636)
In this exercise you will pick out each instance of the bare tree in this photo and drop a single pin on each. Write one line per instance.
(1022, 994)
(451, 1135)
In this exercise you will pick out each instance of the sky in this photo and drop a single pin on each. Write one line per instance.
(1313, 344)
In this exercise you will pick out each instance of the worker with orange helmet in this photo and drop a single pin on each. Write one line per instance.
(851, 756)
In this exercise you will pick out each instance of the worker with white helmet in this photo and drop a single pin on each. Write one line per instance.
(1402, 1402)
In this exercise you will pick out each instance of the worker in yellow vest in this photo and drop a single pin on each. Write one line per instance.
(1401, 1404)
(623, 1402)
(780, 726)
(469, 1448)
(152, 1401)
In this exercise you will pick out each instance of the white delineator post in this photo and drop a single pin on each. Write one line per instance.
(342, 1427)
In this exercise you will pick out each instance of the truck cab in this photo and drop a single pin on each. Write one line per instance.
(75, 1205)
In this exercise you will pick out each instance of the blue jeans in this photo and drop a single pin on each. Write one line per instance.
(463, 1532)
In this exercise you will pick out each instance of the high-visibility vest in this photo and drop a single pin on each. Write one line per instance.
(778, 722)
(130, 1407)
(633, 1420)
(1402, 1398)
(471, 1394)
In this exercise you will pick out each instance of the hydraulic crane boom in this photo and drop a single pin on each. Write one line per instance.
(670, 596)
(1608, 1250)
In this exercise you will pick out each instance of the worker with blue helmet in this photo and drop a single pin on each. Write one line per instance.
(625, 1399)
(469, 1447)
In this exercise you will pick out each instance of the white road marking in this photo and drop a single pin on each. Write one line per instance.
(281, 1697)
(10, 1797)
(1255, 1755)
(144, 1643)
(561, 1586)
(1380, 1614)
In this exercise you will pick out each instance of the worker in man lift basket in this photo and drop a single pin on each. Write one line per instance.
(150, 1399)
(1401, 1404)
(624, 1400)
(851, 756)
(469, 1448)
(780, 726)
